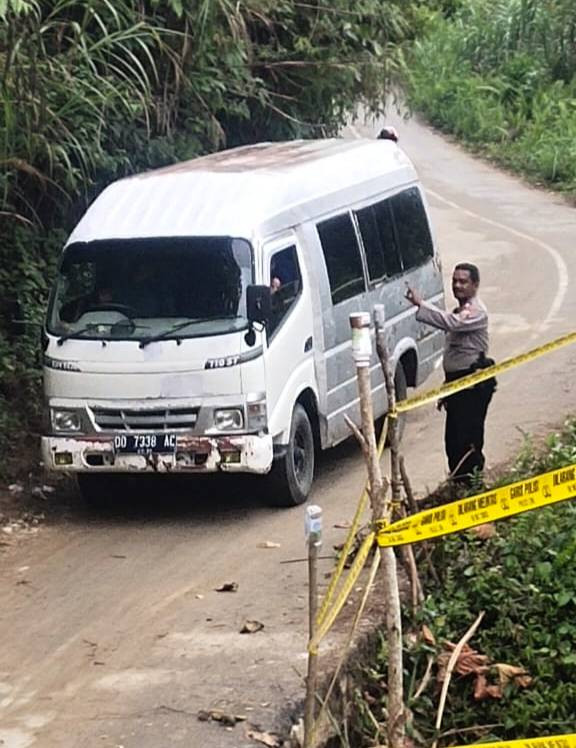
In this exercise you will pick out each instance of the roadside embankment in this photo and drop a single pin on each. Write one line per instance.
(515, 677)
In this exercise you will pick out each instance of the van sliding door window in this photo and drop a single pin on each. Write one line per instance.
(285, 285)
(412, 228)
(342, 255)
(377, 231)
(385, 223)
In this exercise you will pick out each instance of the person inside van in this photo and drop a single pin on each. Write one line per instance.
(142, 290)
(101, 295)
(465, 351)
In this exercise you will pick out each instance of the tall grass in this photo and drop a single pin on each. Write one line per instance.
(501, 75)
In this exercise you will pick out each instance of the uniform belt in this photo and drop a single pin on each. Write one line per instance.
(452, 375)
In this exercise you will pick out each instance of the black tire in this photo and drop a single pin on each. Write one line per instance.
(97, 491)
(292, 475)
(401, 390)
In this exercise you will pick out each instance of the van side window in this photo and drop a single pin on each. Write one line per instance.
(377, 231)
(342, 255)
(372, 243)
(383, 213)
(285, 284)
(412, 228)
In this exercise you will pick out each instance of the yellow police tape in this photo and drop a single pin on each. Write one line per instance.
(353, 574)
(327, 614)
(482, 375)
(349, 539)
(515, 498)
(553, 741)
(346, 548)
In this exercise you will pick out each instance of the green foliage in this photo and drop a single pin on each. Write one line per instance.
(92, 90)
(501, 75)
(16, 7)
(523, 578)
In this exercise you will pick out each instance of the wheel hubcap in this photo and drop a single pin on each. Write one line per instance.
(300, 457)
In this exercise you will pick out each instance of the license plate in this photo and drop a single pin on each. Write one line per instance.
(143, 444)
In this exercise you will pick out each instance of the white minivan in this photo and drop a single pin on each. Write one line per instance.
(200, 318)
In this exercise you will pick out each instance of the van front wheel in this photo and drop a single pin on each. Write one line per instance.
(292, 474)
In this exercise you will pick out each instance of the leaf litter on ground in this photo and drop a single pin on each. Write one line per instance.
(227, 587)
(226, 719)
(251, 627)
(266, 738)
(472, 662)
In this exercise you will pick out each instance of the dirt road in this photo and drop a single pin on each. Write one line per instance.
(112, 633)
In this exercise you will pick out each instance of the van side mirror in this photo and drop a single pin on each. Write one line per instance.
(258, 303)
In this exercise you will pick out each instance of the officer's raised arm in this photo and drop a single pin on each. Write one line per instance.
(469, 317)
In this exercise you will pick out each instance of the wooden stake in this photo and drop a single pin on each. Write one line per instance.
(449, 669)
(362, 350)
(383, 355)
(406, 551)
(409, 493)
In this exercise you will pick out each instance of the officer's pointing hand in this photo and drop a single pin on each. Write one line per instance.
(413, 296)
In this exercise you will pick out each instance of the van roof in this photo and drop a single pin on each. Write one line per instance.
(246, 192)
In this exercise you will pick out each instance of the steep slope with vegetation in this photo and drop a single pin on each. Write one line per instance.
(93, 90)
(501, 76)
(517, 678)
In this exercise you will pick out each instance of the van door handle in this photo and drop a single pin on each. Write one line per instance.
(308, 345)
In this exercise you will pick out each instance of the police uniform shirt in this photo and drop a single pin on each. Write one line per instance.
(466, 331)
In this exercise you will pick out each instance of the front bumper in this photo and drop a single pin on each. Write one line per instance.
(193, 454)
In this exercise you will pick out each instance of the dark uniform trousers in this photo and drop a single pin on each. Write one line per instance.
(464, 435)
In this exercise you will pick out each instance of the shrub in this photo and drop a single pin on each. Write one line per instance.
(94, 90)
(522, 578)
(501, 77)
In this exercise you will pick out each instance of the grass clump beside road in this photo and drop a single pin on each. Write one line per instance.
(501, 76)
(523, 577)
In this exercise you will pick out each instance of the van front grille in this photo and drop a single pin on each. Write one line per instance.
(160, 419)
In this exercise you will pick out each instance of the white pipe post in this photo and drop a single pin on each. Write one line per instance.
(362, 352)
(313, 529)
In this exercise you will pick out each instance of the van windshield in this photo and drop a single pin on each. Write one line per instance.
(135, 289)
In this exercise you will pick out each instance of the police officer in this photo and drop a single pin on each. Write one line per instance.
(465, 351)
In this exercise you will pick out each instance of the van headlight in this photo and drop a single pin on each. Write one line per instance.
(228, 419)
(65, 420)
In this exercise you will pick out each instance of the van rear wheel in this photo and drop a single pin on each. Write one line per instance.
(292, 474)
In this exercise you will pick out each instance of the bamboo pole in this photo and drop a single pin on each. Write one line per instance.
(407, 552)
(362, 351)
(383, 355)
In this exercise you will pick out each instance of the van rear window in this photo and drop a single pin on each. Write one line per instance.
(342, 255)
(377, 231)
(412, 228)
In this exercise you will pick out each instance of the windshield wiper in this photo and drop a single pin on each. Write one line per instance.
(180, 326)
(73, 334)
(94, 325)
